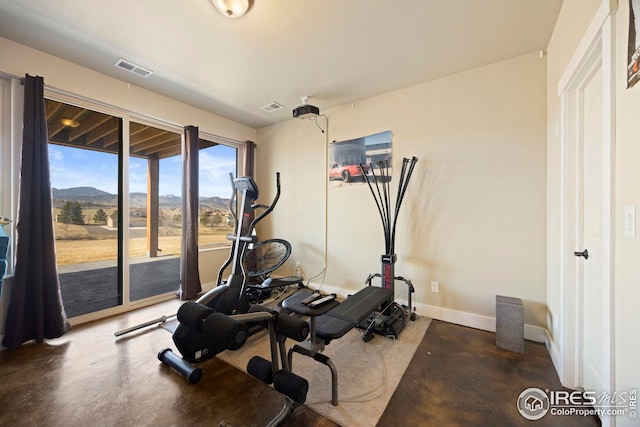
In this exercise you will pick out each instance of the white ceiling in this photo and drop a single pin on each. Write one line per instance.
(334, 51)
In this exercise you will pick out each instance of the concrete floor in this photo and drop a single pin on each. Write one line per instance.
(458, 377)
(90, 378)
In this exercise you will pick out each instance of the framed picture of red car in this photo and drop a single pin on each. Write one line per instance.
(349, 160)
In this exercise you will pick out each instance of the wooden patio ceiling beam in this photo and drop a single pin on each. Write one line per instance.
(92, 122)
(159, 143)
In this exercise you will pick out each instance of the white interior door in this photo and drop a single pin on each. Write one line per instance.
(593, 312)
(587, 92)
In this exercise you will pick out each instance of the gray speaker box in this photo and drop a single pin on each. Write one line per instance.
(510, 324)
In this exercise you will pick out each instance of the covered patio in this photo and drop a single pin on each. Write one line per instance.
(94, 286)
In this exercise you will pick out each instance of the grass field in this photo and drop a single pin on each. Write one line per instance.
(77, 244)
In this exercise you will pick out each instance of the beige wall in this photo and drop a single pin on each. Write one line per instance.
(473, 218)
(627, 191)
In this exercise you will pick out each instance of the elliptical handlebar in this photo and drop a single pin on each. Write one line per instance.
(271, 207)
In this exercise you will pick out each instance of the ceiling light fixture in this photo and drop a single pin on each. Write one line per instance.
(232, 8)
(70, 122)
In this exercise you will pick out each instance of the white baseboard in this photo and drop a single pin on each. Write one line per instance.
(554, 352)
(476, 321)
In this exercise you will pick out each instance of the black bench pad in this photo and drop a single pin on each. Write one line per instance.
(350, 312)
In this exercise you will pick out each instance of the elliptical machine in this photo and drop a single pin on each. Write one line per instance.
(253, 262)
(228, 297)
(222, 318)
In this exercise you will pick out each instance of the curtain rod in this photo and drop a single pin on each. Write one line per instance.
(113, 107)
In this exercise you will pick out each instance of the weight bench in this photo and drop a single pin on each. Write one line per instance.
(332, 321)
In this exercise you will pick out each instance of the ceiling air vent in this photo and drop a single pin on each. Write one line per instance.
(133, 68)
(272, 106)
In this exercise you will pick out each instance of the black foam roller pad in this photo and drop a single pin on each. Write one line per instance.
(225, 332)
(191, 373)
(292, 327)
(261, 369)
(291, 385)
(192, 314)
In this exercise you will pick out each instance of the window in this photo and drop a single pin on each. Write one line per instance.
(216, 163)
(116, 186)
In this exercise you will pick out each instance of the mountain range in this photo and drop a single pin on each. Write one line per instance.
(90, 196)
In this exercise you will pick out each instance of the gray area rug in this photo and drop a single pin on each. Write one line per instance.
(368, 373)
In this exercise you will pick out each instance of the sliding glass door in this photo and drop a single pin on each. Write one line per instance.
(155, 210)
(117, 195)
(84, 156)
(91, 216)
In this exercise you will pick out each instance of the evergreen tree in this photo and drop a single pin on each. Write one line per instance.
(71, 213)
(100, 216)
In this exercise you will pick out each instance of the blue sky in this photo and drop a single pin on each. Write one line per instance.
(73, 167)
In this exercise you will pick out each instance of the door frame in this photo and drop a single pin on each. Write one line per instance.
(596, 49)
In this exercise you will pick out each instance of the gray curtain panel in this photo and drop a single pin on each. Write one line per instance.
(35, 310)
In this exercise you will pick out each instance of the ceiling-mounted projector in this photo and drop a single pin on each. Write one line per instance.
(305, 111)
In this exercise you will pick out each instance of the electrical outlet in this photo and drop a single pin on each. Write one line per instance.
(435, 287)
